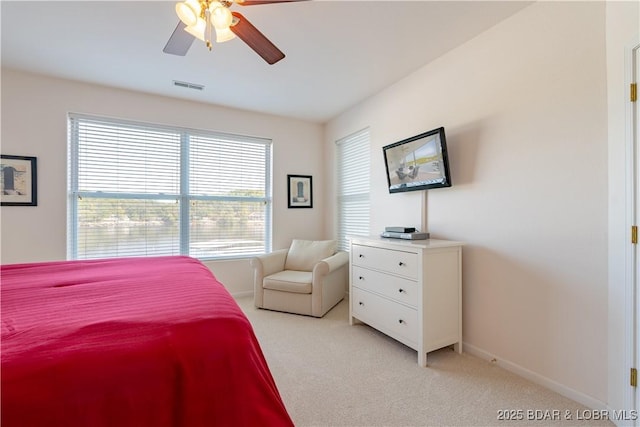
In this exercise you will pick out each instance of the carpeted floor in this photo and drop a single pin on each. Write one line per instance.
(333, 374)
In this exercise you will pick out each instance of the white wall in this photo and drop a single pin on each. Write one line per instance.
(524, 106)
(34, 123)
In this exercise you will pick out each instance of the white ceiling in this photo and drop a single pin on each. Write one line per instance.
(338, 53)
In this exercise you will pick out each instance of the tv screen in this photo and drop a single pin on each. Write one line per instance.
(418, 163)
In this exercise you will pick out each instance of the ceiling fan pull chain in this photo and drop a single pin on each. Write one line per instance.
(209, 29)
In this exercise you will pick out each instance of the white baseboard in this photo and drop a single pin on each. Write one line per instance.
(572, 394)
(242, 294)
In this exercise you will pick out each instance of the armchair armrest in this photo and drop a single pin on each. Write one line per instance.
(264, 265)
(332, 263)
(329, 282)
(270, 263)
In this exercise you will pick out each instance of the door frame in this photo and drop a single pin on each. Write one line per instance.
(633, 318)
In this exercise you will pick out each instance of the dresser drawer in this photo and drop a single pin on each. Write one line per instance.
(396, 288)
(391, 261)
(395, 320)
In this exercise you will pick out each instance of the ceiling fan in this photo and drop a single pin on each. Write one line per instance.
(209, 19)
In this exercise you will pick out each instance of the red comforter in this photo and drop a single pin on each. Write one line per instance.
(129, 342)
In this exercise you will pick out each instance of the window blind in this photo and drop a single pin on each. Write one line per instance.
(354, 159)
(143, 190)
(228, 185)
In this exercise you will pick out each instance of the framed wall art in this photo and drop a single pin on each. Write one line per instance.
(18, 181)
(300, 191)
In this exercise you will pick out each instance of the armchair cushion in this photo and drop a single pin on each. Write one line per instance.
(289, 281)
(304, 254)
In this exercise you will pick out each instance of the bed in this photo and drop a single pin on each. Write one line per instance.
(129, 342)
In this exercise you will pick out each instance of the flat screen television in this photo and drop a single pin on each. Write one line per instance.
(418, 163)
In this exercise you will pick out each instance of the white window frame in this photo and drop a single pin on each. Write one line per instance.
(183, 197)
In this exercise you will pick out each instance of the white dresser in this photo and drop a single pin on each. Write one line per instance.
(410, 290)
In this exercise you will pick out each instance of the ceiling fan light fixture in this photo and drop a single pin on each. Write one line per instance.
(224, 35)
(188, 11)
(221, 17)
(198, 29)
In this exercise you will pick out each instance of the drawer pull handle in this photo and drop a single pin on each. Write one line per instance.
(361, 303)
(401, 321)
(361, 278)
(360, 256)
(401, 264)
(401, 290)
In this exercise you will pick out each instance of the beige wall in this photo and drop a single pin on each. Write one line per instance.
(525, 110)
(34, 113)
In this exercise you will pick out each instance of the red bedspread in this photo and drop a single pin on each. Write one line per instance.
(129, 342)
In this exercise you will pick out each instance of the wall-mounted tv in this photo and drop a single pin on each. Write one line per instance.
(418, 163)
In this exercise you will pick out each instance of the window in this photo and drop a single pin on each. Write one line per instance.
(354, 158)
(148, 190)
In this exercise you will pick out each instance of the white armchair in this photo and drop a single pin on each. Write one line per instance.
(308, 278)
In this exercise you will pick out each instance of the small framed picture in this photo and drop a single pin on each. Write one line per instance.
(300, 191)
(18, 181)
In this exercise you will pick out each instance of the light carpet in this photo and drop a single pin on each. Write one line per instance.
(332, 374)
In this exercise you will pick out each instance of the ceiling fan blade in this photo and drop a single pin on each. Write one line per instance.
(257, 2)
(179, 42)
(255, 39)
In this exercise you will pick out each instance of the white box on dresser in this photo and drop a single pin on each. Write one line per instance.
(410, 290)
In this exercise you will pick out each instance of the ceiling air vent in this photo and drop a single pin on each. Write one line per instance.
(188, 85)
